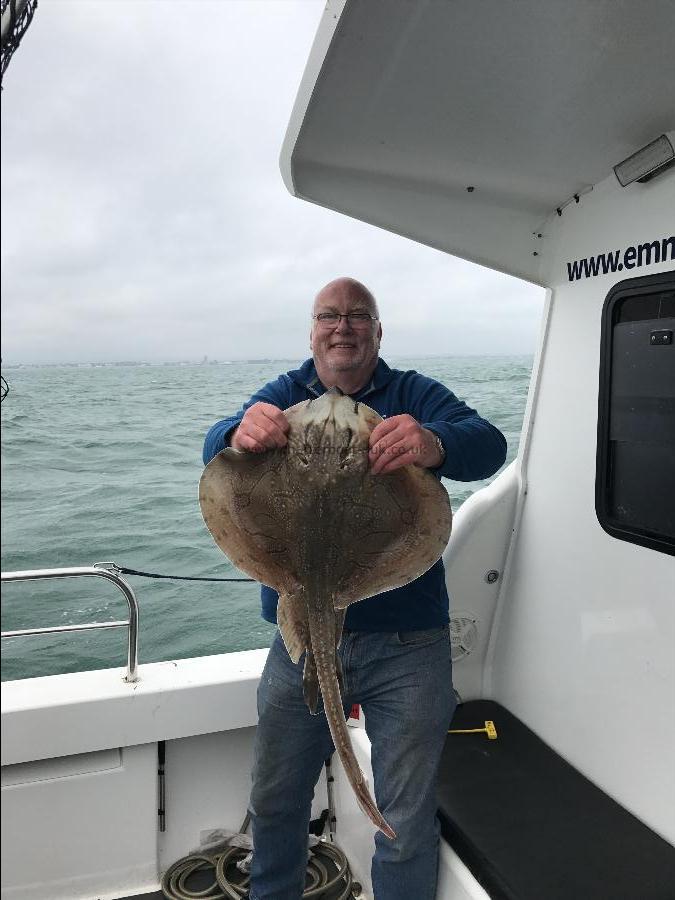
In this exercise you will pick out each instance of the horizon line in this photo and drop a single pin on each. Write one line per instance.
(248, 359)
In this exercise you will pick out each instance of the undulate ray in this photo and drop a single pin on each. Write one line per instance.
(310, 521)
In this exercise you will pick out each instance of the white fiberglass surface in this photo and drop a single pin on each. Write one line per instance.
(81, 712)
(88, 832)
(465, 125)
(582, 649)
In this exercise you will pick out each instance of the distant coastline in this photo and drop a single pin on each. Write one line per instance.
(143, 363)
(263, 360)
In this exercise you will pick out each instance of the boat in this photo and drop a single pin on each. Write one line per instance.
(536, 139)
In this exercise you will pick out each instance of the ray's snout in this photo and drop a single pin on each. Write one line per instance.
(336, 411)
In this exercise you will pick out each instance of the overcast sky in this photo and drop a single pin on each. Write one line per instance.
(144, 215)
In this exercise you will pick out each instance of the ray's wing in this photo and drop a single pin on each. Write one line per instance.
(399, 525)
(242, 501)
(246, 500)
(292, 622)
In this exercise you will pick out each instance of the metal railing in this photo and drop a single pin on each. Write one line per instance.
(100, 570)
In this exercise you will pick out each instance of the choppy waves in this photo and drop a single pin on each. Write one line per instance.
(103, 464)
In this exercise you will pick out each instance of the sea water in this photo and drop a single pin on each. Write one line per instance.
(102, 463)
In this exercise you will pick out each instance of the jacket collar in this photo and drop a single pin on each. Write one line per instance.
(307, 377)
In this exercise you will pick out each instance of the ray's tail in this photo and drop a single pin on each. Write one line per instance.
(323, 648)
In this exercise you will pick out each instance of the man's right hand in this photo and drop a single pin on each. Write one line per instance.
(264, 427)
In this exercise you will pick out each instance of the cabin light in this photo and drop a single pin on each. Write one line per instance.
(646, 162)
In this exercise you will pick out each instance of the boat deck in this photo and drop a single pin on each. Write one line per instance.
(529, 825)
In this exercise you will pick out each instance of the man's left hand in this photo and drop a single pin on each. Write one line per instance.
(399, 441)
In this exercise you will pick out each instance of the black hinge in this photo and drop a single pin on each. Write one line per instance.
(161, 788)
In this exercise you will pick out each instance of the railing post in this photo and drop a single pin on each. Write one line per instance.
(107, 570)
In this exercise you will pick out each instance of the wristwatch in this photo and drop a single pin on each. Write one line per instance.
(441, 449)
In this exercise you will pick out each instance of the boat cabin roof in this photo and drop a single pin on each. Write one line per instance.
(465, 125)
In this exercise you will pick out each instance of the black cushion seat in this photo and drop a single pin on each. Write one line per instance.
(529, 826)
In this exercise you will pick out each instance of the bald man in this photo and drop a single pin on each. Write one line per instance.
(395, 650)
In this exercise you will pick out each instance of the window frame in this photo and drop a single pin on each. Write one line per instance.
(619, 292)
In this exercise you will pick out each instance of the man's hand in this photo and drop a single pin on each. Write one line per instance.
(399, 441)
(263, 427)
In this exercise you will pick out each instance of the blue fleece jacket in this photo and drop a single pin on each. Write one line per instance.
(473, 449)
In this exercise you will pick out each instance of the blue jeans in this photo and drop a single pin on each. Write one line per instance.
(403, 681)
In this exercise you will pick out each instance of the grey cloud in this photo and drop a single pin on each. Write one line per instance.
(144, 213)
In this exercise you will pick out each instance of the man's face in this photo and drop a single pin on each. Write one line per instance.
(345, 346)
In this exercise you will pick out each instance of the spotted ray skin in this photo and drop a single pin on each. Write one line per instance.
(312, 522)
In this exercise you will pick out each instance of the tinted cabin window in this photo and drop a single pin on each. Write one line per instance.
(635, 476)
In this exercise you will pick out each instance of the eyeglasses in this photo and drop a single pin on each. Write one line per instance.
(354, 319)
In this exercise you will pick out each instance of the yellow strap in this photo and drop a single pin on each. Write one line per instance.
(488, 729)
